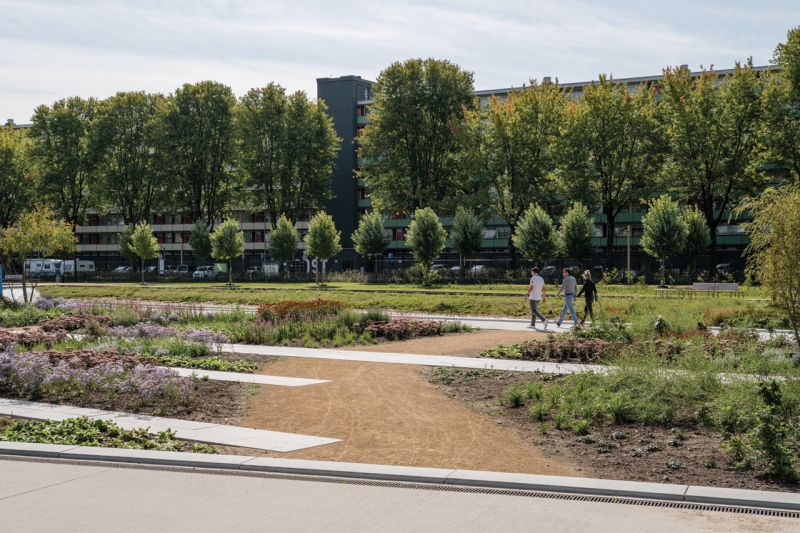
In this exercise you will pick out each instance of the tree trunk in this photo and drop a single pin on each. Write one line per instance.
(512, 251)
(712, 251)
(316, 271)
(25, 284)
(142, 271)
(230, 271)
(610, 223)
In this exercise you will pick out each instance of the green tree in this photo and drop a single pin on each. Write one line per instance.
(125, 239)
(781, 102)
(713, 130)
(227, 242)
(576, 234)
(410, 147)
(38, 232)
(17, 178)
(286, 147)
(197, 136)
(200, 240)
(466, 235)
(322, 240)
(143, 244)
(426, 238)
(664, 231)
(371, 239)
(611, 149)
(283, 240)
(131, 167)
(67, 166)
(774, 249)
(535, 236)
(511, 141)
(697, 237)
(61, 150)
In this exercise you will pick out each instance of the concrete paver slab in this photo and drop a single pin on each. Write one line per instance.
(184, 429)
(745, 498)
(607, 487)
(407, 474)
(199, 460)
(34, 450)
(249, 378)
(415, 359)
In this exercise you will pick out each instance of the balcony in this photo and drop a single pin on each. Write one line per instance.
(364, 203)
(361, 121)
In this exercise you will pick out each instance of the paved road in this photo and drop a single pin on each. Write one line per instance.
(57, 497)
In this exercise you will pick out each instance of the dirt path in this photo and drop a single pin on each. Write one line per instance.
(389, 414)
(461, 344)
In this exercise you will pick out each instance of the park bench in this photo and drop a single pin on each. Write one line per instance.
(713, 289)
(716, 288)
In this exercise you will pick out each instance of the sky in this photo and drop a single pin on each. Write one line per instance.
(54, 49)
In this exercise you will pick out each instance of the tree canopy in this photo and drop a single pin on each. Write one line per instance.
(576, 233)
(283, 240)
(426, 238)
(466, 236)
(611, 149)
(143, 244)
(286, 147)
(410, 146)
(17, 177)
(535, 236)
(370, 238)
(227, 242)
(511, 145)
(664, 231)
(322, 240)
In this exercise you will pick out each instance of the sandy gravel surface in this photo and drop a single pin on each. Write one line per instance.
(388, 414)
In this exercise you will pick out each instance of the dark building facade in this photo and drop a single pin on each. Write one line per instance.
(342, 96)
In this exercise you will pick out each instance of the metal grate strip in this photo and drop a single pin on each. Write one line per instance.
(418, 486)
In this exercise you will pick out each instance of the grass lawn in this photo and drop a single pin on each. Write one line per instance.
(637, 309)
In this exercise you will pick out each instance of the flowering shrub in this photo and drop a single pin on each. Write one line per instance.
(29, 339)
(47, 302)
(173, 318)
(291, 311)
(154, 331)
(73, 322)
(559, 348)
(401, 328)
(35, 375)
(91, 358)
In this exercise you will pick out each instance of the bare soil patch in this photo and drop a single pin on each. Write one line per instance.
(702, 462)
(458, 344)
(388, 414)
(218, 402)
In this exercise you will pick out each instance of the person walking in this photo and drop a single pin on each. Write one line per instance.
(590, 289)
(536, 294)
(568, 287)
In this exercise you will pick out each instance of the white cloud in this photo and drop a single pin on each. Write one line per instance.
(52, 49)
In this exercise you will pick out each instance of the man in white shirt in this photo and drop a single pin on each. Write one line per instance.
(536, 294)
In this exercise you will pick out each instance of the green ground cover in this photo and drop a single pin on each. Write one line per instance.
(736, 312)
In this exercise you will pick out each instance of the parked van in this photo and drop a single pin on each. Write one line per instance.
(83, 266)
(43, 267)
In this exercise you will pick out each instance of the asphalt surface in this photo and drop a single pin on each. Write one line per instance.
(41, 496)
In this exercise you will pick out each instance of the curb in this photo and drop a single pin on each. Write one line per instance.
(410, 474)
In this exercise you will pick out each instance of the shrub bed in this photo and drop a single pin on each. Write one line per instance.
(29, 339)
(293, 311)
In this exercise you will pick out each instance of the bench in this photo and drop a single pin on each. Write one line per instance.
(716, 288)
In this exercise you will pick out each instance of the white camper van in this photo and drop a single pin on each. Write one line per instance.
(43, 267)
(83, 266)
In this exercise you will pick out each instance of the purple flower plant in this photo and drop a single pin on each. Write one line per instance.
(29, 372)
(154, 331)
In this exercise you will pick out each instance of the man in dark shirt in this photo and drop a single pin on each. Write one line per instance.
(591, 295)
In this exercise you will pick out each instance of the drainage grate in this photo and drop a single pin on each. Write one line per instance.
(419, 486)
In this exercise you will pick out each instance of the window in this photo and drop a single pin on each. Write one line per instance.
(160, 238)
(361, 132)
(168, 238)
(187, 219)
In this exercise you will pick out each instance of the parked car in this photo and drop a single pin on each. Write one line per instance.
(435, 268)
(724, 268)
(455, 268)
(477, 268)
(203, 272)
(123, 270)
(183, 270)
(549, 270)
(150, 269)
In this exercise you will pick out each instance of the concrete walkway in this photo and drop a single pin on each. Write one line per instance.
(414, 359)
(184, 429)
(42, 496)
(241, 377)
